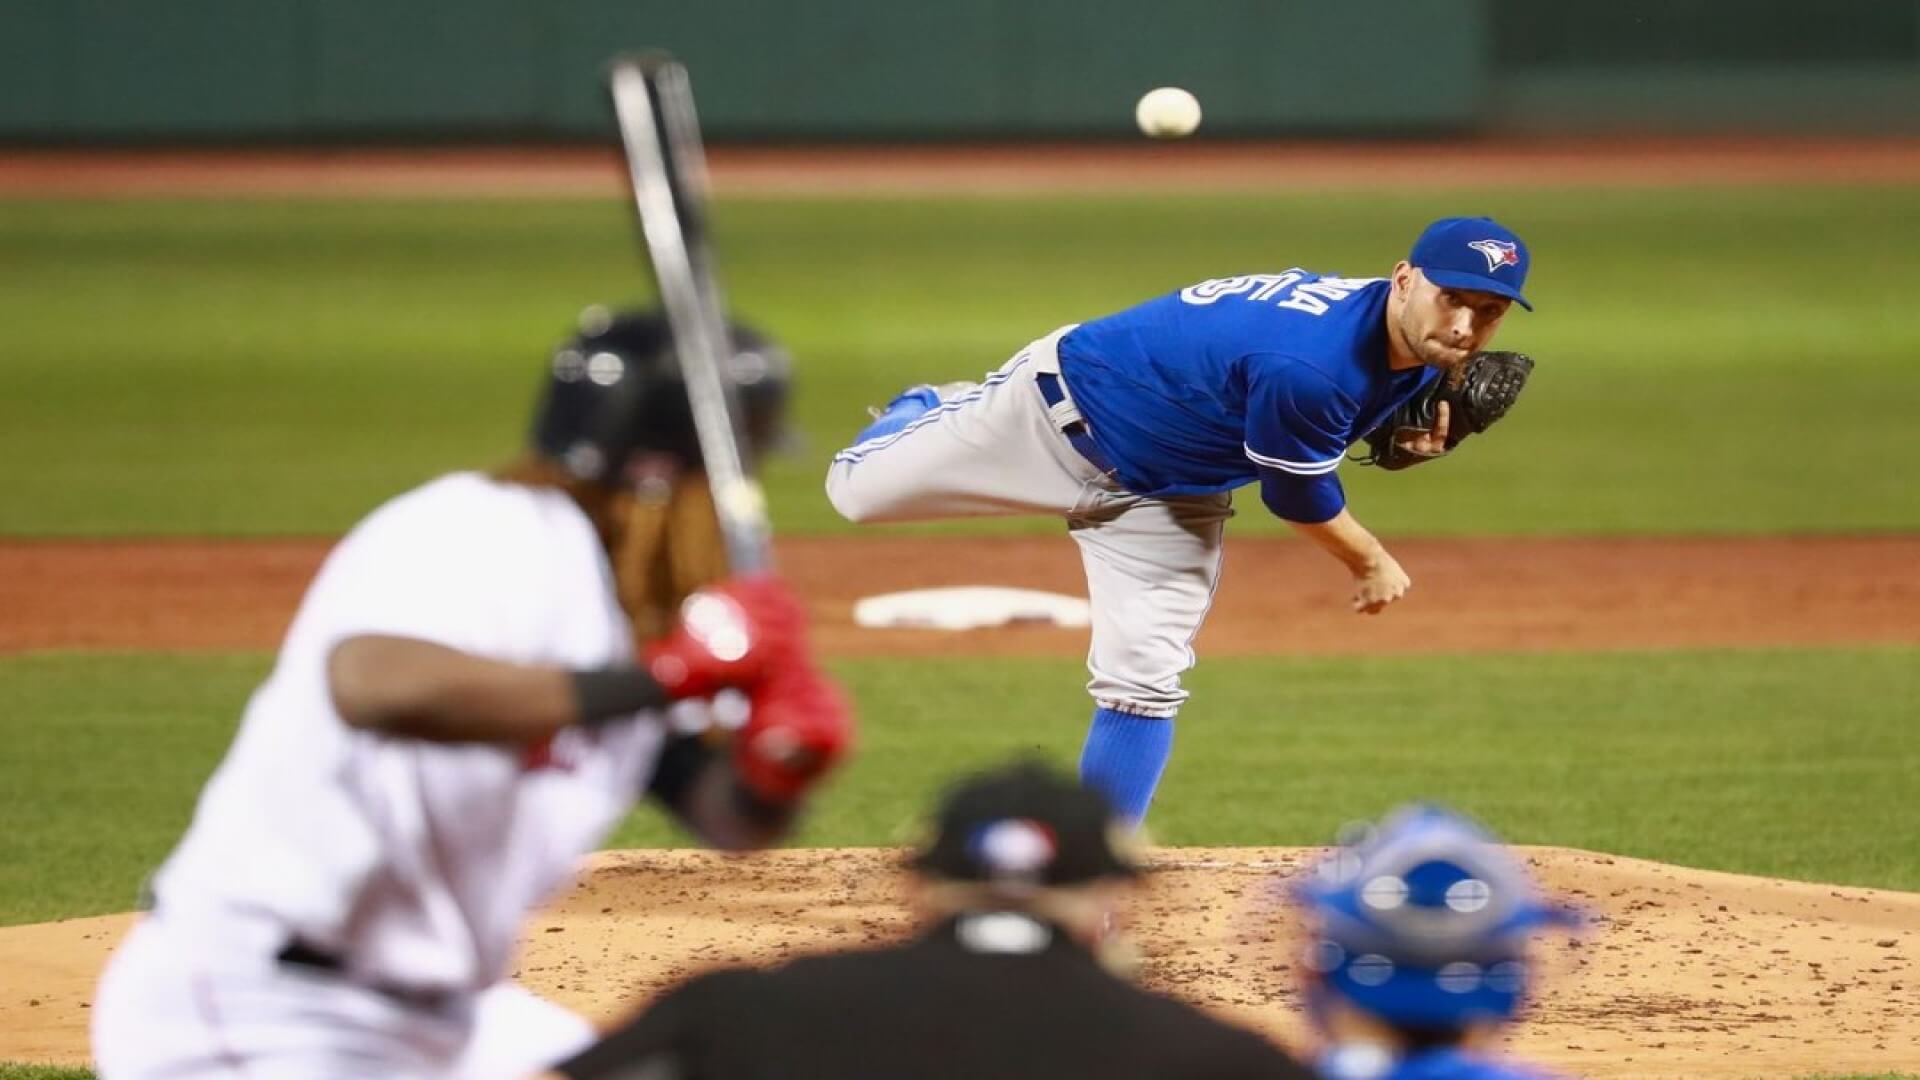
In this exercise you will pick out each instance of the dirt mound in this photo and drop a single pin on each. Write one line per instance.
(1685, 973)
(1277, 596)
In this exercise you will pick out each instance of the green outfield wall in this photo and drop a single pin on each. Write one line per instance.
(167, 70)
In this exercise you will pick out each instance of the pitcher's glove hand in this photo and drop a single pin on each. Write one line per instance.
(1465, 401)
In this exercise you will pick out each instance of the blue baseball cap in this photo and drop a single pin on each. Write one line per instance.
(1425, 921)
(1475, 253)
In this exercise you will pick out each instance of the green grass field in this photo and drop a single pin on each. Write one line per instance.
(1713, 360)
(1791, 764)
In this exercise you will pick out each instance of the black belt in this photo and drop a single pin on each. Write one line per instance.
(1079, 436)
(300, 954)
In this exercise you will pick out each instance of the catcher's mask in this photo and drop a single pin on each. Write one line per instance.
(1425, 922)
(614, 396)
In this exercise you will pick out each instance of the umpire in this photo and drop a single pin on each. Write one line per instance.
(1023, 883)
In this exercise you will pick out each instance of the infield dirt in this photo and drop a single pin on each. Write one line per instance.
(1277, 596)
(1189, 166)
(1683, 974)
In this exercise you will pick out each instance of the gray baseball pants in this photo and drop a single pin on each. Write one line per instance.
(997, 448)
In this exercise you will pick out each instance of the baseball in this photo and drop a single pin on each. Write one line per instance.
(1167, 112)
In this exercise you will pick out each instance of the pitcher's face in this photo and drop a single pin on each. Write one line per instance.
(1441, 326)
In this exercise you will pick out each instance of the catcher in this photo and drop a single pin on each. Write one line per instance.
(488, 672)
(1135, 427)
(1420, 951)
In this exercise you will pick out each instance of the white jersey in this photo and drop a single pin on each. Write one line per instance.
(414, 861)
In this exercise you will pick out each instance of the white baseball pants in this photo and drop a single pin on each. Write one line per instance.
(175, 1005)
(1151, 563)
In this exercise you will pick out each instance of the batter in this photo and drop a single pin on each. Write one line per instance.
(460, 711)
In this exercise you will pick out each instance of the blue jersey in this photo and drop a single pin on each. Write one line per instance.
(1371, 1063)
(1259, 377)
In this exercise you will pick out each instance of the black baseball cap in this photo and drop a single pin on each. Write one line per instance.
(1025, 825)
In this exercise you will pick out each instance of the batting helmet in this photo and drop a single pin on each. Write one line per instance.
(1425, 922)
(614, 392)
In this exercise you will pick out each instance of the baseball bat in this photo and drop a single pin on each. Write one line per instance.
(666, 170)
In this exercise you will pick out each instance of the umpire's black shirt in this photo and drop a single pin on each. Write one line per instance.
(982, 996)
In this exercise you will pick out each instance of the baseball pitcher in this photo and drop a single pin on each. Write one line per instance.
(473, 693)
(1137, 426)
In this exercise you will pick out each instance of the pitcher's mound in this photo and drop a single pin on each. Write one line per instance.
(1685, 973)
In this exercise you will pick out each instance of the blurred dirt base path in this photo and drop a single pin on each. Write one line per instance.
(1683, 974)
(1194, 165)
(1277, 596)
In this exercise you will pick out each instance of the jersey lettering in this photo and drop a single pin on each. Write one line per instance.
(1262, 286)
(560, 752)
(1312, 297)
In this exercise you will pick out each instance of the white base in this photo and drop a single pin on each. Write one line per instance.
(969, 607)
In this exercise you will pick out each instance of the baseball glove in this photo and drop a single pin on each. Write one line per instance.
(1477, 393)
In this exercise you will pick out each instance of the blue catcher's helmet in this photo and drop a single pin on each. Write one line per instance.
(1425, 922)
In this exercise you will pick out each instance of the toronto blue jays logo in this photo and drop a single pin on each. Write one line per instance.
(1499, 253)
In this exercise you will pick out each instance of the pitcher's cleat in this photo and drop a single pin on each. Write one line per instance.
(912, 403)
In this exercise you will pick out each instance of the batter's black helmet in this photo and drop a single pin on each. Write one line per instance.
(614, 392)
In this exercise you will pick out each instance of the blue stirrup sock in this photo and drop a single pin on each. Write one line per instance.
(1124, 757)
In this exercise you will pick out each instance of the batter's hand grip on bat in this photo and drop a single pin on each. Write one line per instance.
(801, 727)
(738, 633)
